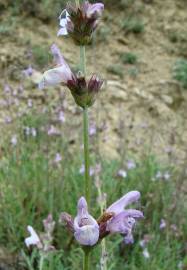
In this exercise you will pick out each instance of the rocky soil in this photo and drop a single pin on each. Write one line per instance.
(140, 107)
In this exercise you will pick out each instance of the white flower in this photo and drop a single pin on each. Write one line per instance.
(29, 103)
(33, 132)
(158, 175)
(60, 74)
(146, 253)
(61, 117)
(167, 176)
(14, 140)
(34, 239)
(64, 18)
(122, 173)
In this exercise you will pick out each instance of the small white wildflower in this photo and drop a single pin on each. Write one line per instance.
(61, 117)
(167, 175)
(146, 253)
(158, 175)
(33, 132)
(34, 239)
(29, 103)
(162, 224)
(122, 173)
(14, 140)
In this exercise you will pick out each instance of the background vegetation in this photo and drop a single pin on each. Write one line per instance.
(33, 183)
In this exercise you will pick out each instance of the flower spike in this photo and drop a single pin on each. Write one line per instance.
(80, 21)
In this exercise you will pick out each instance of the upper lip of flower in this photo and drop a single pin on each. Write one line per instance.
(118, 206)
(85, 226)
(123, 220)
(60, 74)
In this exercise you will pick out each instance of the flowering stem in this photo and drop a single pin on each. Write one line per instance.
(77, 2)
(86, 265)
(83, 59)
(86, 157)
(41, 262)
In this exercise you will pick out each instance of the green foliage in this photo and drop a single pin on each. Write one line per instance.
(42, 9)
(128, 58)
(133, 25)
(116, 70)
(103, 33)
(133, 72)
(7, 26)
(180, 72)
(32, 186)
(41, 55)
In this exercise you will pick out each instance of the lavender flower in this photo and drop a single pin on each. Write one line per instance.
(86, 229)
(60, 74)
(8, 119)
(53, 131)
(131, 164)
(84, 92)
(28, 71)
(92, 130)
(162, 224)
(58, 158)
(124, 220)
(80, 21)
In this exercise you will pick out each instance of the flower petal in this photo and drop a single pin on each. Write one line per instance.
(34, 239)
(95, 8)
(129, 239)
(83, 218)
(121, 224)
(55, 76)
(62, 32)
(119, 205)
(85, 226)
(87, 235)
(58, 58)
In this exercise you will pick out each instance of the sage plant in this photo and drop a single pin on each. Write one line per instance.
(79, 21)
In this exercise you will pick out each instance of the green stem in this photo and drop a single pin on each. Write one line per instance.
(86, 157)
(41, 262)
(83, 59)
(86, 265)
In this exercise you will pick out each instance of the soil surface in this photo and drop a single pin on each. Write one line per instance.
(142, 107)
